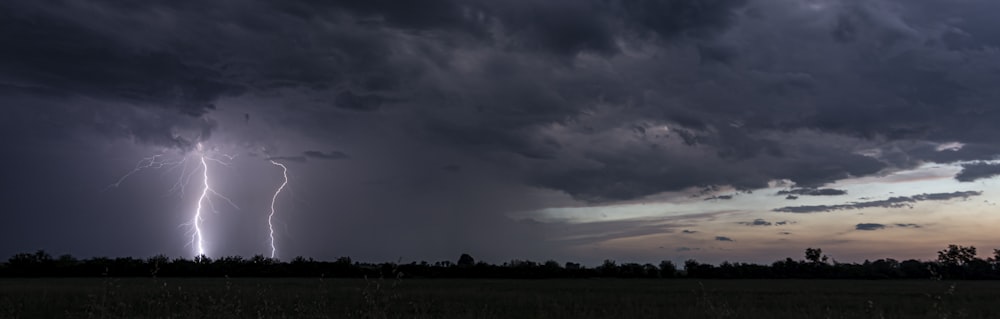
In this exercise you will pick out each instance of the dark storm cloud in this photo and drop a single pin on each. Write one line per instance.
(632, 173)
(363, 103)
(568, 27)
(892, 202)
(720, 197)
(672, 18)
(723, 238)
(909, 225)
(813, 192)
(601, 100)
(473, 75)
(688, 231)
(51, 54)
(974, 171)
(560, 27)
(311, 154)
(333, 155)
(869, 226)
(443, 14)
(299, 159)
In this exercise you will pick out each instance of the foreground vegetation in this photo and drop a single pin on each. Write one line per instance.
(955, 262)
(493, 298)
(36, 285)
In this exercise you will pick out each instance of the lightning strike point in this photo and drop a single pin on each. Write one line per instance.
(196, 221)
(204, 155)
(270, 224)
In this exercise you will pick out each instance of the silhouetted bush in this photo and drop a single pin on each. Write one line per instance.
(955, 262)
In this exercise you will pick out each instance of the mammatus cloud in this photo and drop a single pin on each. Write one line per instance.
(975, 171)
(892, 202)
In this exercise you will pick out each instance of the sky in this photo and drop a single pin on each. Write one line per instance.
(572, 130)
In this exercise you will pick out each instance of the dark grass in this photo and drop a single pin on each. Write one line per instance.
(469, 298)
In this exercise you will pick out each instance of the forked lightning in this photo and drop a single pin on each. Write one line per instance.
(270, 223)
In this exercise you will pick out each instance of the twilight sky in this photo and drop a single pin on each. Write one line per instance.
(574, 130)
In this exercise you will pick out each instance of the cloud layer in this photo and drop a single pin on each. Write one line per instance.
(604, 100)
(596, 101)
(892, 202)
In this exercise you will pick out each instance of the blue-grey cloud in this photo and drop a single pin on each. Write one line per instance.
(869, 226)
(299, 159)
(892, 202)
(762, 222)
(719, 197)
(813, 192)
(976, 171)
(757, 222)
(602, 100)
(334, 155)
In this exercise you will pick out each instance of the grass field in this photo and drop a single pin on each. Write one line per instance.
(442, 298)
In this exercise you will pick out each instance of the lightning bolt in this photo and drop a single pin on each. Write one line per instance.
(270, 224)
(151, 162)
(196, 239)
(159, 161)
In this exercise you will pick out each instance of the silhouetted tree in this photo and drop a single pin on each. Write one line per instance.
(694, 269)
(956, 255)
(977, 269)
(39, 263)
(551, 268)
(960, 262)
(914, 269)
(609, 268)
(815, 255)
(668, 269)
(955, 262)
(995, 260)
(466, 261)
(883, 269)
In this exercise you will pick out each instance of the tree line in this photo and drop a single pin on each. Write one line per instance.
(954, 262)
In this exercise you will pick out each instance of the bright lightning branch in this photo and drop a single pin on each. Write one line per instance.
(270, 223)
